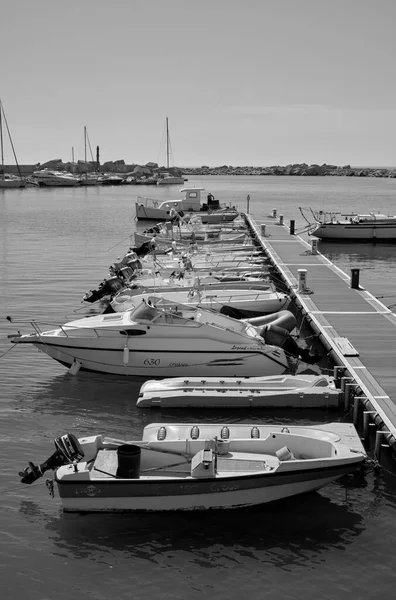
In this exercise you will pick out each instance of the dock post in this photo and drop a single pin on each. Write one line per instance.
(378, 444)
(314, 245)
(302, 280)
(347, 396)
(356, 406)
(355, 279)
(366, 425)
(292, 226)
(247, 203)
(263, 229)
(274, 211)
(280, 219)
(343, 384)
(338, 370)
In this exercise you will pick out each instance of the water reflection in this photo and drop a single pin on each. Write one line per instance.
(358, 252)
(100, 403)
(283, 533)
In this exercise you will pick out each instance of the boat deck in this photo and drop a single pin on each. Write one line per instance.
(356, 328)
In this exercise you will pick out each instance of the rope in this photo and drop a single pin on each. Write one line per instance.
(7, 351)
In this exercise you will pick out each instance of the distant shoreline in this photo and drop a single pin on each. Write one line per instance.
(151, 169)
(297, 170)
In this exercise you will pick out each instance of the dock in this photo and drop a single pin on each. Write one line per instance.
(355, 328)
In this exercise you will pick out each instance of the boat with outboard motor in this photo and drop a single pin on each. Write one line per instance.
(245, 303)
(129, 281)
(164, 234)
(159, 338)
(193, 467)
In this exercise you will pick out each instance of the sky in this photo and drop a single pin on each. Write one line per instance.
(242, 82)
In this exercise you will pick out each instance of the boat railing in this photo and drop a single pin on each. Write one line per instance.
(38, 327)
(153, 202)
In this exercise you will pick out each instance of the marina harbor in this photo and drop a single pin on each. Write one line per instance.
(198, 300)
(171, 353)
(214, 344)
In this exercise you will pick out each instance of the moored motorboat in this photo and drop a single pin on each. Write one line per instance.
(291, 391)
(200, 467)
(192, 202)
(168, 179)
(352, 227)
(247, 303)
(128, 281)
(162, 339)
(51, 178)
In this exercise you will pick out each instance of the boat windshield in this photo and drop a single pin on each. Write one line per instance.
(160, 310)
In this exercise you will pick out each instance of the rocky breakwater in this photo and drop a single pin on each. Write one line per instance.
(298, 170)
(134, 171)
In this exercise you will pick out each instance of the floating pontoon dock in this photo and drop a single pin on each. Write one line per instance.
(357, 330)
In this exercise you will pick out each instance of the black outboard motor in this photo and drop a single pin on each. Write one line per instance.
(68, 450)
(278, 336)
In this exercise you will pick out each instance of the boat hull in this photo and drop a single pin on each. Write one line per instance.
(11, 184)
(247, 304)
(361, 232)
(146, 212)
(190, 494)
(151, 364)
(57, 183)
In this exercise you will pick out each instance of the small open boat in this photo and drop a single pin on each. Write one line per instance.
(247, 303)
(184, 467)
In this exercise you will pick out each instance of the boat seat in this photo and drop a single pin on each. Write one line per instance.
(105, 465)
(250, 465)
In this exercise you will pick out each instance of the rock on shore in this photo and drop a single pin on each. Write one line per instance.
(296, 170)
(152, 169)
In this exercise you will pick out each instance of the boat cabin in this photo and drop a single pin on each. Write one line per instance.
(190, 202)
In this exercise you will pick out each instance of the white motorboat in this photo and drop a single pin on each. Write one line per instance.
(111, 179)
(202, 262)
(190, 283)
(200, 467)
(168, 179)
(130, 281)
(154, 209)
(51, 178)
(159, 339)
(245, 303)
(163, 241)
(286, 391)
(339, 227)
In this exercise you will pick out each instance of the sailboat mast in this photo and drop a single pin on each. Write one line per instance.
(167, 144)
(1, 139)
(85, 143)
(2, 116)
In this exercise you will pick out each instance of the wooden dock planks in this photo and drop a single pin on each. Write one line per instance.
(345, 318)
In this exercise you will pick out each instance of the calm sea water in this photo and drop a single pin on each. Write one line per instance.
(55, 246)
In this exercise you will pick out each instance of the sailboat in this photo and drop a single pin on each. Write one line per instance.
(167, 178)
(86, 178)
(8, 180)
